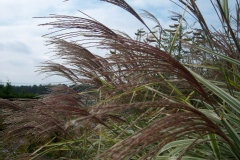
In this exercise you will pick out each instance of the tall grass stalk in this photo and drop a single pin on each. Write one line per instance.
(146, 103)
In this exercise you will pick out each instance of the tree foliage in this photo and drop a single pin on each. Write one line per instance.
(8, 91)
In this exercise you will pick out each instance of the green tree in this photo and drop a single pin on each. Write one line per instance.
(7, 91)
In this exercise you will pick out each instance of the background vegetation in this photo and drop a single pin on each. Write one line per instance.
(9, 91)
(27, 91)
(168, 94)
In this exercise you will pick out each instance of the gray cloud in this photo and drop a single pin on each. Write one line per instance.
(15, 46)
(23, 48)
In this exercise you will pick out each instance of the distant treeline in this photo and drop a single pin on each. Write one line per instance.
(8, 91)
(34, 89)
(11, 91)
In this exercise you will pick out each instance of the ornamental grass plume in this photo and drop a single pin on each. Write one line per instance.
(156, 99)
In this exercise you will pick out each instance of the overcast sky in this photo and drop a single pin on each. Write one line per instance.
(22, 47)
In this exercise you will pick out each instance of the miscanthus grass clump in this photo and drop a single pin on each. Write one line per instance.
(168, 94)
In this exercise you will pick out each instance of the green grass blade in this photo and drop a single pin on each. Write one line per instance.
(235, 137)
(214, 145)
(176, 33)
(183, 143)
(174, 88)
(174, 158)
(54, 148)
(201, 66)
(233, 102)
(227, 22)
(231, 60)
(211, 115)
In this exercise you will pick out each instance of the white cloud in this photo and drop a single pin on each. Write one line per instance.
(17, 25)
(19, 30)
(15, 46)
(149, 3)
